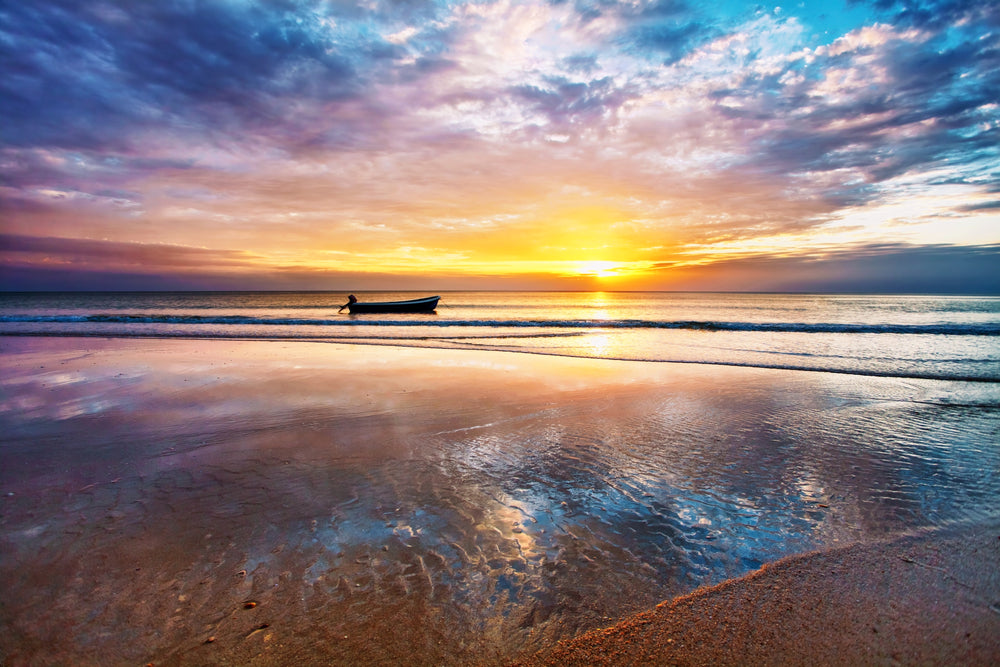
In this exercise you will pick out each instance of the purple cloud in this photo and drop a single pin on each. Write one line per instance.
(84, 76)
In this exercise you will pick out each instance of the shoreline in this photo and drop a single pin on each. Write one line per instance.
(928, 597)
(452, 346)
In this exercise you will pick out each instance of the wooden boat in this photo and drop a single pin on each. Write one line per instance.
(424, 305)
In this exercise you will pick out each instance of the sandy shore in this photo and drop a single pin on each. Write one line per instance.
(931, 598)
(186, 502)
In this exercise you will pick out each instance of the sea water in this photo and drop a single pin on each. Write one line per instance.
(396, 504)
(936, 337)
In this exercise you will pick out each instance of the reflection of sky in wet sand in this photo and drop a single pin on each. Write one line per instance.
(450, 506)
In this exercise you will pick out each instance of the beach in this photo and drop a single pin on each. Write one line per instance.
(182, 502)
(929, 598)
(506, 333)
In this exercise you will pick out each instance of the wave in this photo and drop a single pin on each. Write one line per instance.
(945, 329)
(453, 343)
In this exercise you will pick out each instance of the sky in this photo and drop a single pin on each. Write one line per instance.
(833, 145)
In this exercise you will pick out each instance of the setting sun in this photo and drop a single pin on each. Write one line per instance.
(599, 269)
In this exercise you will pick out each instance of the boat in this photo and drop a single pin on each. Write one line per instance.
(425, 305)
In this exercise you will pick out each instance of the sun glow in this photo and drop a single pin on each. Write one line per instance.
(598, 269)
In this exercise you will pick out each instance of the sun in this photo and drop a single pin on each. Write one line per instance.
(597, 268)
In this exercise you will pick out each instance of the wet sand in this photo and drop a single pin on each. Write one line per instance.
(931, 598)
(259, 503)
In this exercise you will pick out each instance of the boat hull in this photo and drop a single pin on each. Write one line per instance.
(425, 305)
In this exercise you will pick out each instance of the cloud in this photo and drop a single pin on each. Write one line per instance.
(877, 268)
(876, 104)
(88, 76)
(89, 253)
(983, 206)
(566, 102)
(286, 128)
(939, 13)
(671, 37)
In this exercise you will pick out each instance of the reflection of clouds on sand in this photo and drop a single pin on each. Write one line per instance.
(446, 507)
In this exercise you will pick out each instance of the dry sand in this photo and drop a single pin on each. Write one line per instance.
(931, 598)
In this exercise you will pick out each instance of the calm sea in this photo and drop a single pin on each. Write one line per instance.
(933, 337)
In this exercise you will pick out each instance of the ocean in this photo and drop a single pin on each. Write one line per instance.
(227, 478)
(931, 337)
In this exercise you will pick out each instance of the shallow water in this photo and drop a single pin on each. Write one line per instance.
(382, 505)
(936, 337)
